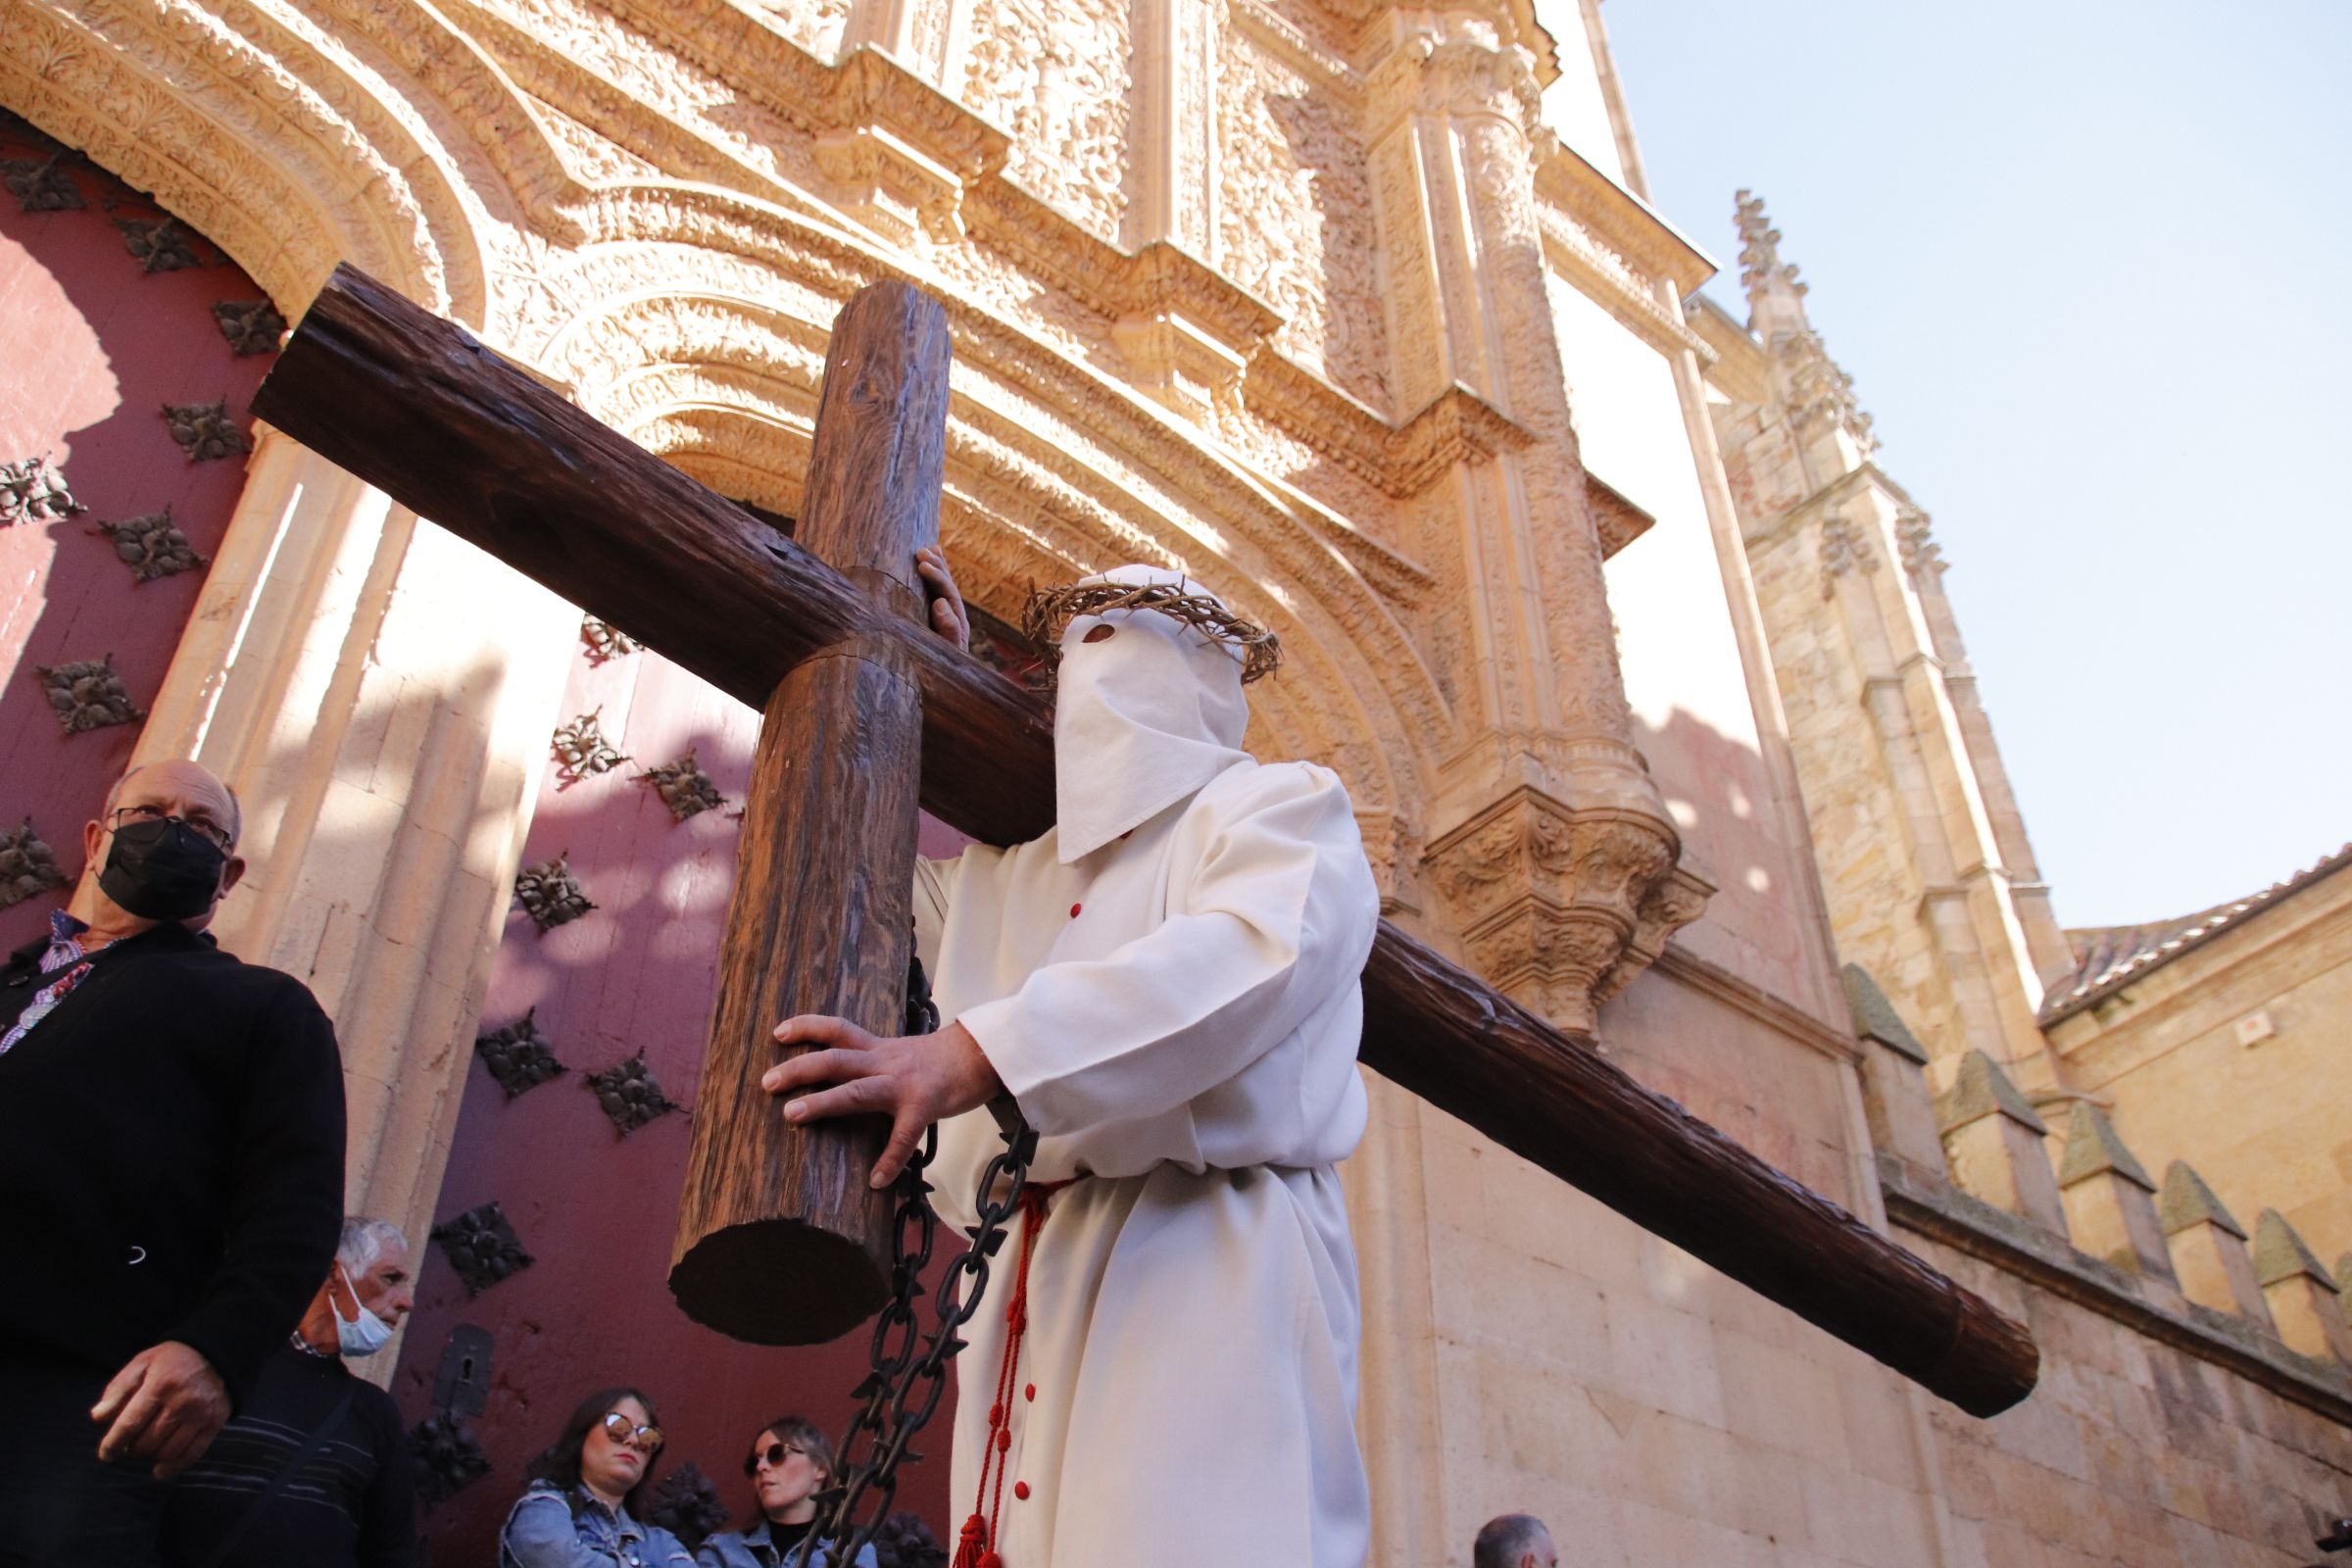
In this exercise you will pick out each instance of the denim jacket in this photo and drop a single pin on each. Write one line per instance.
(752, 1549)
(547, 1528)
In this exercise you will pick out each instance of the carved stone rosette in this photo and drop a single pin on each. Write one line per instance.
(1560, 908)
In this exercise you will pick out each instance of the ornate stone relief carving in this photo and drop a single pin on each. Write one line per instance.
(629, 1095)
(33, 490)
(549, 894)
(581, 750)
(86, 694)
(1296, 223)
(1922, 557)
(1552, 902)
(1843, 548)
(814, 24)
(251, 327)
(519, 1056)
(28, 867)
(152, 547)
(42, 184)
(157, 245)
(1055, 76)
(205, 431)
(482, 1247)
(684, 787)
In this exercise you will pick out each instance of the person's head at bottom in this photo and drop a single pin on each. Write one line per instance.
(1514, 1541)
(791, 1461)
(366, 1293)
(607, 1448)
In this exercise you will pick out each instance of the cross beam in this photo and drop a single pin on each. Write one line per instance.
(419, 409)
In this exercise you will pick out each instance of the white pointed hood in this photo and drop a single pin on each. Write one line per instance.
(1142, 718)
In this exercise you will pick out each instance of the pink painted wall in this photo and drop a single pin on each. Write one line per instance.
(92, 347)
(598, 1210)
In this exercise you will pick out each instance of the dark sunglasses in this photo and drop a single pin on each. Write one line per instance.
(773, 1454)
(620, 1429)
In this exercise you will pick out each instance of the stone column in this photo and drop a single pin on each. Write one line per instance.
(380, 696)
(1172, 132)
(1548, 838)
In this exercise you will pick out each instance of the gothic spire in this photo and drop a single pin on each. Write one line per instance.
(1774, 296)
(1818, 391)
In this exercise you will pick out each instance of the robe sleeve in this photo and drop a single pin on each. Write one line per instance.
(1273, 921)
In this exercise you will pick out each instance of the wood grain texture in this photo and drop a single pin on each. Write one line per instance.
(780, 1240)
(412, 405)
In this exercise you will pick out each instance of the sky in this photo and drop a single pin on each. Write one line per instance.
(2077, 259)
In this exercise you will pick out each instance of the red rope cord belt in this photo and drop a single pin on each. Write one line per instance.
(976, 1546)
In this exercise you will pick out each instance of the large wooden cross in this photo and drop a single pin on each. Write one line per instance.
(779, 1238)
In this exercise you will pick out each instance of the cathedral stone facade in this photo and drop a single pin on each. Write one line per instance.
(1635, 662)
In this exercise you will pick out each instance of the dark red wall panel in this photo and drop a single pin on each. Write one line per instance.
(596, 1209)
(92, 346)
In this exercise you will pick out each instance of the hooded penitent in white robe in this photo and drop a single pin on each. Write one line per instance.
(1167, 983)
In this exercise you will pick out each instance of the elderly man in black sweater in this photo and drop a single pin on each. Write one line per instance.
(172, 1160)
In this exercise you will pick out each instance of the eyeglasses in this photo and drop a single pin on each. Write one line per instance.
(156, 813)
(620, 1429)
(773, 1456)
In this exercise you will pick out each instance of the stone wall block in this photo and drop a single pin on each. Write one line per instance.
(2110, 1198)
(2208, 1245)
(2303, 1299)
(1895, 1095)
(1993, 1143)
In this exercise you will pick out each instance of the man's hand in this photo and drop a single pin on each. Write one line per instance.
(915, 1081)
(166, 1405)
(948, 617)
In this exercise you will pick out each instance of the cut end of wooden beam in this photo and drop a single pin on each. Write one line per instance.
(778, 1282)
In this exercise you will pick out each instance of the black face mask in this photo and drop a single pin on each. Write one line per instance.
(162, 870)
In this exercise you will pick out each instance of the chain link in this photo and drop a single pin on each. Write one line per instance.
(907, 1368)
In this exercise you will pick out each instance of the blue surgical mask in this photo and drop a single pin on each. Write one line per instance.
(366, 1336)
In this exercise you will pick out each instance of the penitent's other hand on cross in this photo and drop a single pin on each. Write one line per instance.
(914, 1080)
(948, 617)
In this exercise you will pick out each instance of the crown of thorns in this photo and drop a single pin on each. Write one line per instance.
(1050, 610)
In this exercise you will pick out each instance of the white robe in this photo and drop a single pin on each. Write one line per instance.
(1178, 1015)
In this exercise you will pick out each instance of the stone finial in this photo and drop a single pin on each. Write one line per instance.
(1992, 1142)
(1761, 269)
(2093, 1148)
(2303, 1299)
(1895, 1097)
(2188, 1201)
(2110, 1198)
(1875, 1017)
(2208, 1248)
(1982, 1090)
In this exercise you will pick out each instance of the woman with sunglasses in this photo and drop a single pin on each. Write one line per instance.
(577, 1512)
(790, 1463)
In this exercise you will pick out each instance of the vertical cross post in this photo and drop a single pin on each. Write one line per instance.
(781, 1240)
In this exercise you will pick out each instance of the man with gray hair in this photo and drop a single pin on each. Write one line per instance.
(1514, 1541)
(314, 1469)
(172, 1152)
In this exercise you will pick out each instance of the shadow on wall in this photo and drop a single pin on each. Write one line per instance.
(109, 307)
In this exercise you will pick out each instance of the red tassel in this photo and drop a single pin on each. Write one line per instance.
(970, 1542)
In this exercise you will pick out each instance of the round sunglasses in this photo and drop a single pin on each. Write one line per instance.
(620, 1429)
